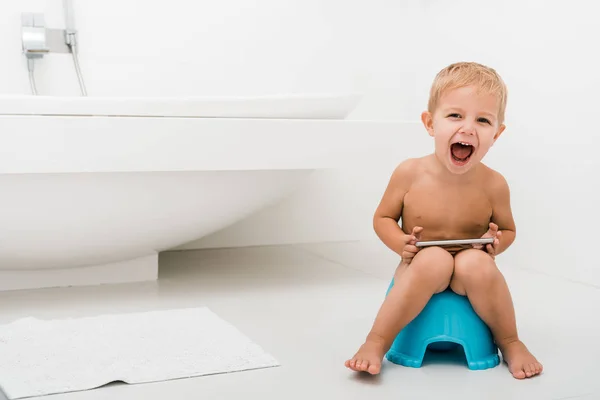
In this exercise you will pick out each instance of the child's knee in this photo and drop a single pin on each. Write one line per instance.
(433, 263)
(474, 266)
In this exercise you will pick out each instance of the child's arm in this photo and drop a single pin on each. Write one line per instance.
(389, 211)
(502, 212)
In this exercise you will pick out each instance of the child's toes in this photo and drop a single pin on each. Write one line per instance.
(352, 364)
(538, 368)
(364, 365)
(529, 368)
(519, 373)
(374, 369)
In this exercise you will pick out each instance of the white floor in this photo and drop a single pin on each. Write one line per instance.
(310, 306)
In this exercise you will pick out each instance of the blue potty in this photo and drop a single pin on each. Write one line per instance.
(447, 321)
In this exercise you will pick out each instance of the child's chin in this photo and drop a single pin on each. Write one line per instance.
(461, 167)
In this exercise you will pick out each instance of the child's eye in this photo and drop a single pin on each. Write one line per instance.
(454, 115)
(485, 121)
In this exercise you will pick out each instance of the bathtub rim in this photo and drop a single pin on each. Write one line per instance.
(285, 106)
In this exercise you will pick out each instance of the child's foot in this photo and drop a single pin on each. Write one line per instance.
(521, 363)
(368, 358)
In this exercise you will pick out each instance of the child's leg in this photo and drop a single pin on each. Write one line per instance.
(477, 277)
(428, 273)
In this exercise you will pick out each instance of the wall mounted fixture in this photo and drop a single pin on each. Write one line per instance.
(38, 40)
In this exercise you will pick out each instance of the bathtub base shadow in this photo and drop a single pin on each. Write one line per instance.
(140, 269)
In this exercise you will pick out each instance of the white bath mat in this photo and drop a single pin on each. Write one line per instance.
(40, 357)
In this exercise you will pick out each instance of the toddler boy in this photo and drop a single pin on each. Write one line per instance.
(450, 194)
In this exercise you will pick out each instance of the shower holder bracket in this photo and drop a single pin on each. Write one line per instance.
(39, 40)
(56, 40)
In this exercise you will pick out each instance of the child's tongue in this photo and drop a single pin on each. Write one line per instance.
(460, 151)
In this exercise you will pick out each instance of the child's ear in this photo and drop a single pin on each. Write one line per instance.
(499, 132)
(427, 120)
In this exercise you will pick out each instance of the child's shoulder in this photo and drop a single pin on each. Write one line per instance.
(408, 169)
(493, 178)
(410, 164)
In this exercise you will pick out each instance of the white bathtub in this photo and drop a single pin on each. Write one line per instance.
(93, 189)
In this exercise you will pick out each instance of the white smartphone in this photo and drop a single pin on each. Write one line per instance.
(455, 242)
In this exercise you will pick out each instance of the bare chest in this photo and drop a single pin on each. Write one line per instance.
(447, 211)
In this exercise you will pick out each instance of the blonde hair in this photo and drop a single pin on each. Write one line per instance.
(461, 74)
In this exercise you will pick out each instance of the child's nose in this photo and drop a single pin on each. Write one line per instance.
(468, 129)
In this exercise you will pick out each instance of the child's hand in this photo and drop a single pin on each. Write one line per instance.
(410, 250)
(493, 232)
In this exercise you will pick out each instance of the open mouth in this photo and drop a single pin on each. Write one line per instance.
(461, 152)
